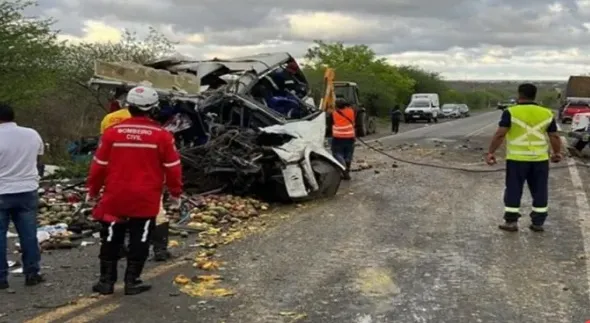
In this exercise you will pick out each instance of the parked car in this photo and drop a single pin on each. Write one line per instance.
(451, 110)
(464, 110)
(573, 108)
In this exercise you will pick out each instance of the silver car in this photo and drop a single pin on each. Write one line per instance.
(464, 110)
(451, 111)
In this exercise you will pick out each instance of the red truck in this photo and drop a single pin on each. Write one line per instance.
(575, 98)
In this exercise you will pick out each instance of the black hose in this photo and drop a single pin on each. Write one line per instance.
(462, 169)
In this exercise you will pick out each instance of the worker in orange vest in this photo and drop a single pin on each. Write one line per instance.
(343, 134)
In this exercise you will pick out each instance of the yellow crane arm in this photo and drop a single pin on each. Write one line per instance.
(328, 102)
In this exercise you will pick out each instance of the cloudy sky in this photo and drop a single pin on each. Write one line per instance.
(461, 39)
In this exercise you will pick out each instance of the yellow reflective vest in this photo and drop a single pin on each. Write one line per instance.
(527, 139)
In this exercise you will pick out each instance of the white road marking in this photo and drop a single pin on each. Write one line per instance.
(583, 211)
(480, 130)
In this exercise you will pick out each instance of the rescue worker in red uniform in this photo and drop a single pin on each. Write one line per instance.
(133, 162)
(343, 134)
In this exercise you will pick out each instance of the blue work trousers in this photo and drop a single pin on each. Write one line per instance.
(536, 175)
(21, 208)
(343, 150)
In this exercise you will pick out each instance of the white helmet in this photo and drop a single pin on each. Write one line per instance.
(143, 97)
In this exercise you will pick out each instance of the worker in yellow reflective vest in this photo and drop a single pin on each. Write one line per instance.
(529, 129)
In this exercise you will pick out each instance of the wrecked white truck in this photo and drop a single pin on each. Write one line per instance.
(241, 124)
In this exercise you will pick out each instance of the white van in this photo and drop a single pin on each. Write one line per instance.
(424, 106)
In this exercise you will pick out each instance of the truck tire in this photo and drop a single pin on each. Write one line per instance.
(362, 124)
(372, 128)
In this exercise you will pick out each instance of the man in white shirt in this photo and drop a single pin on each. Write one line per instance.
(20, 149)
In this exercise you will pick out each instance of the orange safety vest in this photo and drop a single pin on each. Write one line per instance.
(343, 126)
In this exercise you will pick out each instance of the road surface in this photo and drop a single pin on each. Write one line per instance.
(405, 244)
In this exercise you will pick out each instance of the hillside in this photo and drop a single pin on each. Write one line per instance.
(504, 86)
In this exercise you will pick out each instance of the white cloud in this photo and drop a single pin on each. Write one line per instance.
(329, 25)
(476, 39)
(95, 31)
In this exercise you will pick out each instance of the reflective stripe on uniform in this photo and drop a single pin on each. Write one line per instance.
(512, 209)
(535, 131)
(540, 209)
(134, 145)
(146, 231)
(343, 131)
(526, 152)
(111, 232)
(172, 164)
(100, 162)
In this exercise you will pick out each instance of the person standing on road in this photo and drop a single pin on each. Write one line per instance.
(396, 116)
(162, 230)
(343, 134)
(20, 149)
(525, 127)
(134, 160)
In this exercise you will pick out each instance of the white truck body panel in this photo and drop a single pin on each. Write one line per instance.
(581, 121)
(418, 109)
(433, 97)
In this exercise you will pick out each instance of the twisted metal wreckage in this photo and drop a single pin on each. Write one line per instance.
(244, 124)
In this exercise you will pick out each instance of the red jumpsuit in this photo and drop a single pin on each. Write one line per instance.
(134, 160)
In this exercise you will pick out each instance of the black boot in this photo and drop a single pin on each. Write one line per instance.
(509, 226)
(133, 285)
(160, 242)
(346, 175)
(108, 278)
(34, 279)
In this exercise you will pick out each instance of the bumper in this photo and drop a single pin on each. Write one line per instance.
(417, 115)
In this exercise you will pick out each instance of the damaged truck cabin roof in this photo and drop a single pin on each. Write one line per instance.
(271, 81)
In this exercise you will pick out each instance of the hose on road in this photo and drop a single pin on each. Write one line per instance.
(462, 169)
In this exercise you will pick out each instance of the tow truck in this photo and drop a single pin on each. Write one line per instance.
(365, 122)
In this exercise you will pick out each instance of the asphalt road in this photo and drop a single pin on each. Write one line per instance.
(406, 244)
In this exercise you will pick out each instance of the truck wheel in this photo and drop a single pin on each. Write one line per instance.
(362, 124)
(372, 128)
(328, 177)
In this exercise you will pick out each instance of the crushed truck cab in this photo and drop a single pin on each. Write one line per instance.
(242, 124)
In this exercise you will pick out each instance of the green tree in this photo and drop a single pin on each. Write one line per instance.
(130, 48)
(83, 108)
(356, 57)
(30, 56)
(424, 81)
(381, 85)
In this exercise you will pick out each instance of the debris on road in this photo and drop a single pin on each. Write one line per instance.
(203, 285)
(293, 316)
